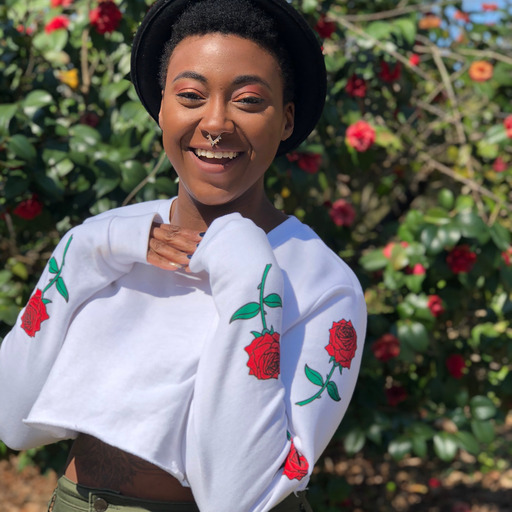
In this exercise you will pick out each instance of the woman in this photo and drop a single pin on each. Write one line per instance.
(202, 388)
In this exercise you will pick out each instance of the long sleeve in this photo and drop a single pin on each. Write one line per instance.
(87, 259)
(259, 420)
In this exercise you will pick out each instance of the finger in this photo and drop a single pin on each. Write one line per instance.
(184, 240)
(161, 262)
(171, 254)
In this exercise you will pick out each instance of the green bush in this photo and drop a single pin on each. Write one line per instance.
(407, 177)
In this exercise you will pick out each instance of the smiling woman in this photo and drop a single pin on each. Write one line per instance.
(184, 342)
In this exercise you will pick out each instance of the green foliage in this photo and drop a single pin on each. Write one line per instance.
(436, 181)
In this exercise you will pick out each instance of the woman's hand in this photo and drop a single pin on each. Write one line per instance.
(171, 247)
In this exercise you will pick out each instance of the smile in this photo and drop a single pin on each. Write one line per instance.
(216, 154)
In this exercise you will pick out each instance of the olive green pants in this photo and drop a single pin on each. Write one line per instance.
(70, 497)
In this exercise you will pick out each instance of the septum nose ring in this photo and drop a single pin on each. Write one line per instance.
(213, 141)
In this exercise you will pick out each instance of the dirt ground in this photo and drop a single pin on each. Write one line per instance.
(410, 485)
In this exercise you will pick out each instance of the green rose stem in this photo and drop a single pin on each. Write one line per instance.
(57, 275)
(262, 286)
(317, 395)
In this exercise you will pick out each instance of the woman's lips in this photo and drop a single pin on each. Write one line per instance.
(215, 161)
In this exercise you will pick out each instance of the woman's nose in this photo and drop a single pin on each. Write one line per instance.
(216, 118)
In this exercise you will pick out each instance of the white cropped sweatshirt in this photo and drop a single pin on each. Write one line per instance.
(233, 378)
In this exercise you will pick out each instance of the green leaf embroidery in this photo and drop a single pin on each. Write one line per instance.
(313, 376)
(61, 288)
(273, 301)
(46, 301)
(256, 334)
(53, 267)
(250, 310)
(332, 389)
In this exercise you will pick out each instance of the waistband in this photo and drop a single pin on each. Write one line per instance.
(84, 499)
(71, 496)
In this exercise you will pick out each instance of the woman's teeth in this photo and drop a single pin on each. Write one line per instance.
(215, 154)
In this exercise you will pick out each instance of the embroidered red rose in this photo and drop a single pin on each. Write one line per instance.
(461, 259)
(455, 365)
(342, 213)
(386, 347)
(342, 342)
(507, 123)
(296, 465)
(34, 315)
(106, 17)
(29, 208)
(396, 394)
(435, 304)
(356, 86)
(324, 27)
(59, 22)
(264, 356)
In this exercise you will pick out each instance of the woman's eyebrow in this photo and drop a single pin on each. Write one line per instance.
(251, 79)
(191, 74)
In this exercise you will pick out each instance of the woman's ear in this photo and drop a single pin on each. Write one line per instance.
(289, 120)
(160, 111)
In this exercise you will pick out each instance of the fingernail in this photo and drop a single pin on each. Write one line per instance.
(189, 256)
(202, 234)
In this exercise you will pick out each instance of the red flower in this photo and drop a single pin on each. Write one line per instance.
(29, 208)
(360, 136)
(63, 3)
(309, 162)
(414, 59)
(356, 86)
(435, 304)
(480, 71)
(507, 256)
(429, 21)
(342, 213)
(264, 356)
(455, 364)
(388, 249)
(499, 165)
(461, 259)
(434, 483)
(324, 27)
(90, 119)
(417, 270)
(295, 465)
(490, 7)
(386, 347)
(390, 74)
(34, 315)
(507, 123)
(57, 23)
(106, 17)
(342, 342)
(396, 394)
(464, 16)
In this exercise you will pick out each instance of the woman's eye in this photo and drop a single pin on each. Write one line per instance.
(189, 96)
(250, 100)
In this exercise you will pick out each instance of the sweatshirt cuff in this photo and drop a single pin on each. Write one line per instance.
(128, 238)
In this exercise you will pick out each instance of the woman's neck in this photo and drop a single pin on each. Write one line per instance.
(188, 213)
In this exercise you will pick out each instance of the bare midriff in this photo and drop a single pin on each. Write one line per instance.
(95, 464)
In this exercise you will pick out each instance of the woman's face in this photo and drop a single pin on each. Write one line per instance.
(229, 86)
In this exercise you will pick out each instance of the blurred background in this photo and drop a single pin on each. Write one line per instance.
(407, 177)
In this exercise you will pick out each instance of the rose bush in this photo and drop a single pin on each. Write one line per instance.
(407, 177)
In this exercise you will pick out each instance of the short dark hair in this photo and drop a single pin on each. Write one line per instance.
(235, 17)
